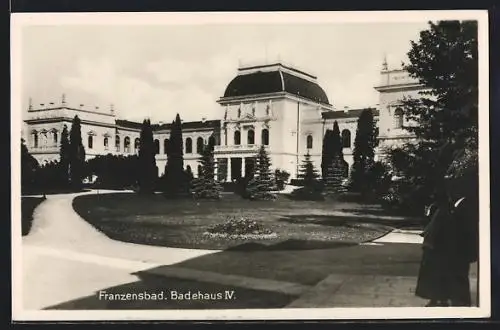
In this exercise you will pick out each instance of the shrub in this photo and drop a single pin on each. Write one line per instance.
(281, 177)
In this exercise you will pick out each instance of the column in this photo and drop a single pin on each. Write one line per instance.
(228, 170)
(243, 167)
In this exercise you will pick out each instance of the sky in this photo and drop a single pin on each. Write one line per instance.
(156, 71)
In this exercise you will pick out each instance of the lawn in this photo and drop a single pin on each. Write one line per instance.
(154, 220)
(28, 205)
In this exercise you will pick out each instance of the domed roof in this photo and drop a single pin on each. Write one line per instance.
(275, 78)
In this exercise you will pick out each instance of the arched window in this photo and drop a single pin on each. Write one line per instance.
(54, 134)
(346, 169)
(398, 118)
(189, 145)
(346, 138)
(90, 141)
(199, 145)
(106, 143)
(137, 144)
(309, 141)
(157, 147)
(237, 138)
(265, 137)
(117, 143)
(251, 137)
(165, 146)
(35, 139)
(126, 144)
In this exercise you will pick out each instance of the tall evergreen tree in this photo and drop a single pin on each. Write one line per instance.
(76, 154)
(147, 160)
(262, 184)
(176, 183)
(327, 152)
(64, 156)
(311, 189)
(363, 153)
(206, 186)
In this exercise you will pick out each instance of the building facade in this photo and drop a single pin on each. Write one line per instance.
(276, 105)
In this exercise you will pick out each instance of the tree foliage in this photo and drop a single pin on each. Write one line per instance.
(445, 60)
(364, 153)
(29, 168)
(311, 185)
(76, 154)
(64, 156)
(262, 184)
(206, 186)
(115, 171)
(147, 170)
(176, 182)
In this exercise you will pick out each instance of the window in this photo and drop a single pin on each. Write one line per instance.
(189, 145)
(157, 147)
(309, 142)
(55, 136)
(90, 141)
(239, 112)
(265, 137)
(165, 146)
(137, 144)
(398, 118)
(346, 138)
(267, 110)
(105, 143)
(117, 143)
(237, 138)
(126, 144)
(251, 137)
(35, 140)
(199, 145)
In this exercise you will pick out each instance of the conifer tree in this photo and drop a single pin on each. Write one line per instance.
(76, 154)
(311, 189)
(146, 160)
(334, 177)
(206, 186)
(177, 181)
(260, 187)
(363, 153)
(64, 156)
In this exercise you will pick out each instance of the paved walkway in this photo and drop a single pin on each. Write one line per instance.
(65, 258)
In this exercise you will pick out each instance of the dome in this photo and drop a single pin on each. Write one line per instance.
(275, 78)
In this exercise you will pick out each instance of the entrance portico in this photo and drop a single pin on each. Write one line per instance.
(236, 161)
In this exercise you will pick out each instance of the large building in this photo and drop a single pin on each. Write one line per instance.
(275, 105)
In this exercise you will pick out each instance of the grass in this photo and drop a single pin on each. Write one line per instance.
(28, 205)
(154, 220)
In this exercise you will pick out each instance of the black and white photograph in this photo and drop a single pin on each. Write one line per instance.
(250, 165)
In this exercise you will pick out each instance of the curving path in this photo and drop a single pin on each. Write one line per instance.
(57, 225)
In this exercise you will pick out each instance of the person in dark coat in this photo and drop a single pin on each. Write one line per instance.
(451, 243)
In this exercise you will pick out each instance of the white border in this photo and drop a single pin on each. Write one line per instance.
(21, 20)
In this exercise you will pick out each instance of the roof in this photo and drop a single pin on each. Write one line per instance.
(354, 113)
(190, 125)
(185, 125)
(277, 80)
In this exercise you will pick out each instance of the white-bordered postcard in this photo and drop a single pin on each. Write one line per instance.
(250, 165)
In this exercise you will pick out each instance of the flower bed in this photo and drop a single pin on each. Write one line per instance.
(240, 227)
